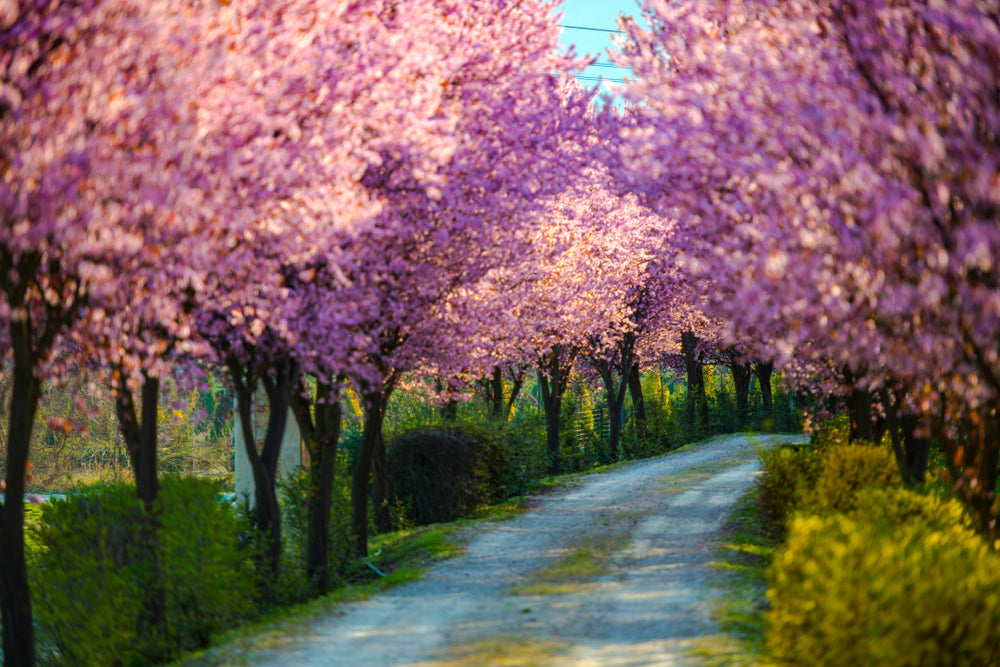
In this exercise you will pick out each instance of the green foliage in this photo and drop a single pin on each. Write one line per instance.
(789, 474)
(515, 453)
(437, 474)
(832, 433)
(89, 576)
(860, 592)
(846, 469)
(293, 496)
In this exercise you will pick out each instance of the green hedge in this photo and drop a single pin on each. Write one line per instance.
(90, 571)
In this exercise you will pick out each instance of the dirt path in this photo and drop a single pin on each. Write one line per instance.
(610, 573)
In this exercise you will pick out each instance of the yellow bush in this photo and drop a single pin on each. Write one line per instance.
(788, 473)
(846, 592)
(846, 469)
(903, 507)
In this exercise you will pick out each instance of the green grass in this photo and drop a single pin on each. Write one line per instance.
(579, 567)
(742, 558)
(402, 557)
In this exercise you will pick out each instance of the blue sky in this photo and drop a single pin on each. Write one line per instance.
(595, 14)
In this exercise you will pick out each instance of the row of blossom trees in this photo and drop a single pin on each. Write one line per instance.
(837, 166)
(311, 193)
(306, 193)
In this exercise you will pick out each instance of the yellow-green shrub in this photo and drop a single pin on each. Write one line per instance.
(846, 592)
(904, 507)
(846, 469)
(788, 473)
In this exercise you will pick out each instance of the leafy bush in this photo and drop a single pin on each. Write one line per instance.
(89, 572)
(901, 507)
(437, 474)
(845, 470)
(293, 495)
(789, 472)
(846, 592)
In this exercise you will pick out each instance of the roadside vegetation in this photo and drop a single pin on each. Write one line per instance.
(89, 562)
(832, 560)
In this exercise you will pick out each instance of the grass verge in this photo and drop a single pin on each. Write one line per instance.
(742, 558)
(402, 556)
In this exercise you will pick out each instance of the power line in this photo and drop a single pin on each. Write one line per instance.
(583, 27)
(610, 65)
(581, 77)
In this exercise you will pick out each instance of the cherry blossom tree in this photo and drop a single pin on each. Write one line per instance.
(839, 158)
(94, 131)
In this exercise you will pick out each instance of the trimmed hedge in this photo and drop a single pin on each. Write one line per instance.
(847, 469)
(864, 593)
(436, 474)
(789, 474)
(89, 573)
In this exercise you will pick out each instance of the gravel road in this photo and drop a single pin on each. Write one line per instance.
(499, 603)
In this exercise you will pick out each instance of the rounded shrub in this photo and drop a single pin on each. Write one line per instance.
(789, 472)
(845, 470)
(861, 593)
(901, 507)
(436, 474)
(90, 572)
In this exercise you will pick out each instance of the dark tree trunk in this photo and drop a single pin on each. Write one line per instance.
(859, 409)
(449, 411)
(380, 479)
(764, 371)
(616, 381)
(128, 423)
(912, 451)
(515, 389)
(493, 392)
(615, 390)
(15, 595)
(553, 378)
(279, 398)
(372, 445)
(697, 401)
(321, 430)
(152, 616)
(267, 511)
(638, 401)
(973, 459)
(917, 448)
(147, 484)
(742, 372)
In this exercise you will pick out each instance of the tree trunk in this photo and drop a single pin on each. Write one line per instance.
(147, 484)
(553, 378)
(616, 401)
(638, 401)
(859, 409)
(741, 382)
(279, 398)
(152, 616)
(321, 433)
(764, 371)
(515, 388)
(493, 390)
(15, 595)
(917, 448)
(380, 478)
(267, 510)
(697, 401)
(449, 411)
(372, 442)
